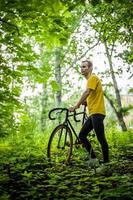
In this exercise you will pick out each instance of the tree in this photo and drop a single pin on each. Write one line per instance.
(22, 24)
(105, 20)
(106, 23)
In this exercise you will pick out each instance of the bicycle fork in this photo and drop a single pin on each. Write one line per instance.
(62, 146)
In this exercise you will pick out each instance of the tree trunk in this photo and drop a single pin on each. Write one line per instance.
(58, 75)
(117, 93)
(118, 114)
(44, 101)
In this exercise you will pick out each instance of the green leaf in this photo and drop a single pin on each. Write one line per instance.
(130, 90)
(55, 85)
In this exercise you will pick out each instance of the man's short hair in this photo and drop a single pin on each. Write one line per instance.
(89, 63)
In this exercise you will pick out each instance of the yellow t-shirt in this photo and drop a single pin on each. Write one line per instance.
(95, 100)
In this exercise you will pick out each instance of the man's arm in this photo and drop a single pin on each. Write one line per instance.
(81, 100)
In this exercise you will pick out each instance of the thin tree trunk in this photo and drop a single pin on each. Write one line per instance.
(44, 102)
(58, 75)
(117, 93)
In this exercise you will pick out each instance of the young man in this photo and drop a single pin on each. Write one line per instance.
(95, 104)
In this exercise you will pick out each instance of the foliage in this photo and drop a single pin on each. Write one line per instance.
(31, 32)
(23, 26)
(26, 173)
(116, 25)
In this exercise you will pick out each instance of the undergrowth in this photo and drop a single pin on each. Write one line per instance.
(27, 174)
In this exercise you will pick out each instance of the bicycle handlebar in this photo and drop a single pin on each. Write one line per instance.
(60, 110)
(57, 109)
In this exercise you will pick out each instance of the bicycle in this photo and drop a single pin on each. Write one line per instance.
(61, 143)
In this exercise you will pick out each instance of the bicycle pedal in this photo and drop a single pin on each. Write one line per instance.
(60, 147)
(77, 146)
(68, 144)
(77, 143)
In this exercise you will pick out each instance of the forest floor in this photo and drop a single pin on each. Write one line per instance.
(31, 177)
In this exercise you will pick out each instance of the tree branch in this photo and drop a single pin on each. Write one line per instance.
(111, 102)
(130, 76)
(10, 24)
(75, 28)
(112, 49)
(79, 58)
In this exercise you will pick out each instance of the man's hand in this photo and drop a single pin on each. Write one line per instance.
(72, 109)
(84, 103)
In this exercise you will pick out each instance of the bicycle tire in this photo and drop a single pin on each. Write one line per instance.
(57, 153)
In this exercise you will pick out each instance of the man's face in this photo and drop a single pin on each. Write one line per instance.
(85, 69)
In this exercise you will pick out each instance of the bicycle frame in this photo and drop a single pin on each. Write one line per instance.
(67, 121)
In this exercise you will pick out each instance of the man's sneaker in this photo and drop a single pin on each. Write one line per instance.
(93, 162)
(102, 168)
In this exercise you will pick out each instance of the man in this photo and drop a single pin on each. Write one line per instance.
(95, 104)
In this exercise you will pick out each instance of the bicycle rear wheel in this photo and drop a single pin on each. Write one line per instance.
(60, 145)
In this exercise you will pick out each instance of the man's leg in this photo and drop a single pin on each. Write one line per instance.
(98, 125)
(87, 127)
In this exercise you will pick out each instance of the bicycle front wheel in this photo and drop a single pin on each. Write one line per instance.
(60, 145)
